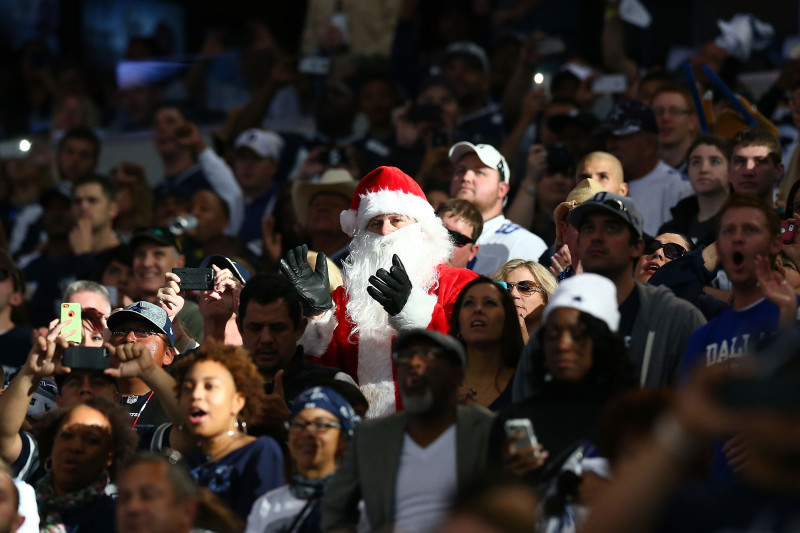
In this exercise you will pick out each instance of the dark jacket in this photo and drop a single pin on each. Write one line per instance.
(684, 213)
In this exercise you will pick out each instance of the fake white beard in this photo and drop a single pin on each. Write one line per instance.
(420, 251)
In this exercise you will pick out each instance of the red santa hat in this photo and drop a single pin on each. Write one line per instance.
(384, 191)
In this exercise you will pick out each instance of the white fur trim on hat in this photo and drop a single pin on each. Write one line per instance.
(319, 333)
(385, 202)
(417, 312)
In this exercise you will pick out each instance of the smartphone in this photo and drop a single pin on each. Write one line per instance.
(520, 431)
(610, 84)
(314, 66)
(195, 279)
(549, 46)
(788, 230)
(72, 311)
(424, 113)
(88, 357)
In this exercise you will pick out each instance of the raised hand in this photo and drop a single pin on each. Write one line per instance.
(131, 360)
(391, 288)
(169, 295)
(223, 300)
(312, 285)
(46, 357)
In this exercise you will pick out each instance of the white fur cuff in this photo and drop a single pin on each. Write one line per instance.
(417, 312)
(319, 333)
(380, 397)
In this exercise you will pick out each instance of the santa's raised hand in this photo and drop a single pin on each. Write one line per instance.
(391, 288)
(312, 284)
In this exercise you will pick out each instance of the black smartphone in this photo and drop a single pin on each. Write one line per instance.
(88, 357)
(424, 113)
(195, 279)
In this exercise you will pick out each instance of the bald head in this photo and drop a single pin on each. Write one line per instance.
(605, 169)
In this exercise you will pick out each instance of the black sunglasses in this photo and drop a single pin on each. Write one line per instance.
(671, 250)
(526, 288)
(459, 239)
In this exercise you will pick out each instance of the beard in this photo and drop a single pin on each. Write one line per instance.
(419, 403)
(420, 250)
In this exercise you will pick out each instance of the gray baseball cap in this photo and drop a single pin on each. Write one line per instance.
(145, 311)
(449, 344)
(617, 205)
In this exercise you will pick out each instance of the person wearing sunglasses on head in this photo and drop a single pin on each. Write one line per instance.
(464, 224)
(659, 251)
(530, 285)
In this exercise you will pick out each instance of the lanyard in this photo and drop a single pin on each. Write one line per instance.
(135, 420)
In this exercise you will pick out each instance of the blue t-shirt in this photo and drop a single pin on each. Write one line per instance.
(243, 475)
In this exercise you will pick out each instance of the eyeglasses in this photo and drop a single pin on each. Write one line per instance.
(525, 288)
(404, 357)
(671, 250)
(139, 333)
(459, 239)
(315, 427)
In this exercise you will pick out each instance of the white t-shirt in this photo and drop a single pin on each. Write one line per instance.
(501, 241)
(656, 193)
(426, 483)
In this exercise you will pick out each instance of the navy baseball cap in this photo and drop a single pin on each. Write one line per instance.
(158, 235)
(620, 206)
(629, 117)
(241, 273)
(148, 312)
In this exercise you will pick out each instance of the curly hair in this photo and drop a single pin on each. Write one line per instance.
(611, 369)
(511, 342)
(123, 438)
(246, 377)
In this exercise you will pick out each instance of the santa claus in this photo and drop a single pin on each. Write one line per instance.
(395, 278)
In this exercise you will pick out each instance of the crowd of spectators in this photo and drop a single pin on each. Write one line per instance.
(431, 267)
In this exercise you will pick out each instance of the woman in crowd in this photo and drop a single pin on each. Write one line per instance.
(660, 251)
(579, 365)
(219, 391)
(486, 321)
(81, 448)
(696, 216)
(320, 427)
(530, 285)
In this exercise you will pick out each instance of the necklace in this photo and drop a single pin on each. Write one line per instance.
(135, 420)
(220, 454)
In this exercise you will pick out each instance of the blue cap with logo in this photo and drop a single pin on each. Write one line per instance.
(241, 273)
(151, 313)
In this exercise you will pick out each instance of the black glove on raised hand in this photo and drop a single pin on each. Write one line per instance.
(311, 284)
(391, 289)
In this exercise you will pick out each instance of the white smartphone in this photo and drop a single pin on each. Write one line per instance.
(610, 84)
(520, 432)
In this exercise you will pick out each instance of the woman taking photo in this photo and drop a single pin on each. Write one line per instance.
(219, 391)
(530, 285)
(81, 448)
(579, 365)
(485, 320)
(320, 427)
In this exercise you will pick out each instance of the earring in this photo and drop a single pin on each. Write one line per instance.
(241, 426)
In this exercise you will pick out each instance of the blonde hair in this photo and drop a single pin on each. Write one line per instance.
(541, 275)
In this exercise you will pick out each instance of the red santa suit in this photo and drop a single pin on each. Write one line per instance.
(329, 339)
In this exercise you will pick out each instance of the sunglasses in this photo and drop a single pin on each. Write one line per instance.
(525, 288)
(459, 239)
(671, 250)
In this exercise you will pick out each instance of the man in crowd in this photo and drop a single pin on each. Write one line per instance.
(677, 123)
(756, 164)
(255, 164)
(605, 169)
(395, 279)
(15, 339)
(653, 185)
(406, 467)
(94, 208)
(481, 177)
(155, 496)
(77, 154)
(464, 223)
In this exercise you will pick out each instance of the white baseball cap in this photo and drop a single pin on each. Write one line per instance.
(590, 293)
(487, 153)
(263, 143)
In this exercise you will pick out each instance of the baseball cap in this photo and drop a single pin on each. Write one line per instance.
(590, 293)
(263, 143)
(487, 153)
(449, 344)
(584, 190)
(469, 49)
(628, 117)
(151, 313)
(159, 235)
(621, 206)
(241, 273)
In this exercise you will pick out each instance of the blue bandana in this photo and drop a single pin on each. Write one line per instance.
(328, 399)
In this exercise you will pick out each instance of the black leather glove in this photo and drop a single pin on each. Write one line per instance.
(311, 284)
(391, 289)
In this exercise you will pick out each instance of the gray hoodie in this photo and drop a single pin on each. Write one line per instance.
(657, 344)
